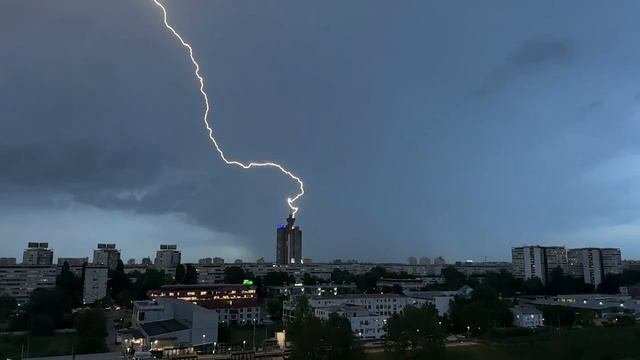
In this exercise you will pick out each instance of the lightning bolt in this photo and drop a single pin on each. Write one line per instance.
(290, 201)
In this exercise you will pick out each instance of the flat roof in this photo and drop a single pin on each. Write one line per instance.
(163, 327)
(203, 286)
(355, 296)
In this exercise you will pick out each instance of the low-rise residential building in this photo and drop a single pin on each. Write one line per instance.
(210, 274)
(480, 268)
(528, 317)
(379, 304)
(318, 290)
(364, 323)
(168, 323)
(95, 283)
(19, 281)
(235, 304)
(603, 304)
(440, 299)
(7, 261)
(631, 290)
(404, 284)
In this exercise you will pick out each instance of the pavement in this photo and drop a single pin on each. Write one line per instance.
(111, 330)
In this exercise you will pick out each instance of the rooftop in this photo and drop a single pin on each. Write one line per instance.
(162, 327)
(205, 286)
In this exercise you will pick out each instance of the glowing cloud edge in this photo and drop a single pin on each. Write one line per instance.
(290, 201)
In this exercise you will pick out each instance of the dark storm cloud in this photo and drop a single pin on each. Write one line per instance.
(531, 56)
(101, 135)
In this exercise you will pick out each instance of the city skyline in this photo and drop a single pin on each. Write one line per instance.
(421, 136)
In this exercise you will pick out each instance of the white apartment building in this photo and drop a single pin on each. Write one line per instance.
(37, 254)
(95, 283)
(440, 299)
(379, 304)
(364, 323)
(167, 258)
(592, 264)
(107, 255)
(19, 281)
(538, 261)
(611, 260)
(528, 317)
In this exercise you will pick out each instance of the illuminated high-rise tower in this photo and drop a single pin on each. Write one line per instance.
(289, 243)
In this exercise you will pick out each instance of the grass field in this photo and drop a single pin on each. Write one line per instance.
(584, 344)
(33, 346)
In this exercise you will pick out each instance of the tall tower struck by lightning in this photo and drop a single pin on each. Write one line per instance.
(288, 243)
(291, 200)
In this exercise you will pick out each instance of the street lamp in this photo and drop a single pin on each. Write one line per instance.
(243, 343)
(254, 334)
(215, 344)
(203, 337)
(468, 330)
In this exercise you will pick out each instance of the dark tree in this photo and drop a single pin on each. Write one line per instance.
(180, 273)
(368, 282)
(338, 339)
(277, 278)
(323, 340)
(8, 306)
(119, 281)
(482, 312)
(559, 316)
(70, 285)
(610, 284)
(453, 279)
(342, 277)
(191, 275)
(274, 308)
(45, 311)
(415, 333)
(309, 280)
(504, 283)
(224, 332)
(151, 279)
(234, 275)
(91, 331)
(533, 286)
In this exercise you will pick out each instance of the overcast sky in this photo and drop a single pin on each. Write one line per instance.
(420, 128)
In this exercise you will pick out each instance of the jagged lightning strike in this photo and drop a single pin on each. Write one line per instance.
(290, 201)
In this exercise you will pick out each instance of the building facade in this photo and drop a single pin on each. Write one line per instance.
(37, 254)
(538, 261)
(592, 264)
(235, 304)
(19, 281)
(168, 323)
(288, 243)
(107, 255)
(365, 325)
(528, 317)
(167, 258)
(95, 283)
